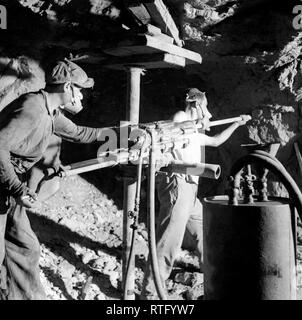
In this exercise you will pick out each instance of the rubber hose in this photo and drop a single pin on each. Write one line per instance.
(151, 225)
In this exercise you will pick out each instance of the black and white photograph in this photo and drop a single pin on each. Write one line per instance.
(150, 153)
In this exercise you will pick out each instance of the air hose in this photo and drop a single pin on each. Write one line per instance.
(151, 221)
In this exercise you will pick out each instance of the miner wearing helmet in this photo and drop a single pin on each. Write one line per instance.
(180, 209)
(26, 127)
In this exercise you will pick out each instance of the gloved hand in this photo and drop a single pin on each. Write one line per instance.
(245, 118)
(30, 201)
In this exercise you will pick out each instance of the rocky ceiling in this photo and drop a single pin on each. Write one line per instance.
(78, 24)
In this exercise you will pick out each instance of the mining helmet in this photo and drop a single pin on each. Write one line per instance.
(68, 71)
(193, 94)
(198, 100)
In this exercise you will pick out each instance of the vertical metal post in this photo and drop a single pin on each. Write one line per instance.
(132, 115)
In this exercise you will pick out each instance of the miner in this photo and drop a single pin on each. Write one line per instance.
(26, 127)
(180, 209)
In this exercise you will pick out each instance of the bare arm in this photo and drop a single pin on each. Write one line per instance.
(220, 138)
(205, 140)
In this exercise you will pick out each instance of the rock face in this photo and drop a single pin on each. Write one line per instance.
(19, 76)
(250, 65)
(273, 123)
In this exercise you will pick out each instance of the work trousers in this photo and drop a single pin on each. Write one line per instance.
(180, 211)
(19, 254)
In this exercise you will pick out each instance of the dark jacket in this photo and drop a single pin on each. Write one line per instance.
(26, 126)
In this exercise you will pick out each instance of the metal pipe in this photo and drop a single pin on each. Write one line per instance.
(206, 170)
(131, 258)
(132, 115)
(86, 168)
(133, 95)
(225, 121)
(249, 187)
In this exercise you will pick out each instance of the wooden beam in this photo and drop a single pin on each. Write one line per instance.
(162, 17)
(150, 30)
(140, 12)
(145, 44)
(164, 38)
(148, 61)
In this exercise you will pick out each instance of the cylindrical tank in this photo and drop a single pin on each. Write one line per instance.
(249, 250)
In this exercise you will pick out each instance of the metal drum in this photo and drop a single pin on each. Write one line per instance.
(249, 250)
